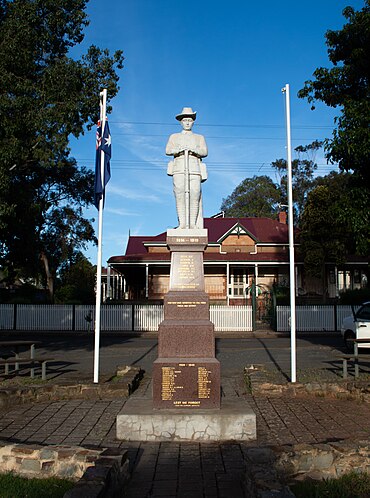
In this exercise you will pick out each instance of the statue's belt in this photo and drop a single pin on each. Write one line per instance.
(183, 153)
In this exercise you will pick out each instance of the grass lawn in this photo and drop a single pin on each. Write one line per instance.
(13, 486)
(348, 486)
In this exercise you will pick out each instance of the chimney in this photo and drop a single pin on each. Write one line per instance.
(282, 217)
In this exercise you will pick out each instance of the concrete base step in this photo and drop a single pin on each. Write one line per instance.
(138, 421)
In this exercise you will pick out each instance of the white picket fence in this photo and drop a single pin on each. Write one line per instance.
(312, 318)
(44, 317)
(117, 317)
(231, 318)
(148, 317)
(6, 316)
(122, 317)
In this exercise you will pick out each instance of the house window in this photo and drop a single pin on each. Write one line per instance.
(239, 279)
(344, 280)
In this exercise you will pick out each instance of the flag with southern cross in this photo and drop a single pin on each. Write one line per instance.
(103, 144)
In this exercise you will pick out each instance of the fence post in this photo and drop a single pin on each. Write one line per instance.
(14, 316)
(254, 304)
(132, 317)
(274, 311)
(73, 317)
(335, 317)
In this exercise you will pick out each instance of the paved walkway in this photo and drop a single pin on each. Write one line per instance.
(188, 469)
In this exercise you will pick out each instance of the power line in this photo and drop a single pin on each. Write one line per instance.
(233, 125)
(215, 167)
(164, 162)
(213, 137)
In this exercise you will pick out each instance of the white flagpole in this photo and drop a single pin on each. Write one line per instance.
(293, 368)
(103, 106)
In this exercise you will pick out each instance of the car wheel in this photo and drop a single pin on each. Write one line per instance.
(349, 336)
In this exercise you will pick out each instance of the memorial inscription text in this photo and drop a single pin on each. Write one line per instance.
(186, 384)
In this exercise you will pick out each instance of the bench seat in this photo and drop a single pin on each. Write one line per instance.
(27, 361)
(352, 357)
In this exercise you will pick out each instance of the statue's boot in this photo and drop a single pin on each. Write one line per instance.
(194, 211)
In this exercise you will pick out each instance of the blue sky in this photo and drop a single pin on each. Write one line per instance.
(226, 60)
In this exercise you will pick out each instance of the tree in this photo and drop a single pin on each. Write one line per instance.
(45, 97)
(59, 229)
(255, 197)
(76, 282)
(261, 197)
(302, 176)
(329, 230)
(347, 85)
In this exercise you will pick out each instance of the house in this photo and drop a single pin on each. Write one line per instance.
(239, 251)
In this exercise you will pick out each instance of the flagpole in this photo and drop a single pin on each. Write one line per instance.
(103, 106)
(293, 367)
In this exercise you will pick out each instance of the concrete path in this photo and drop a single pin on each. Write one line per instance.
(188, 469)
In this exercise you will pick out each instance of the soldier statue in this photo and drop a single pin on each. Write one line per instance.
(187, 170)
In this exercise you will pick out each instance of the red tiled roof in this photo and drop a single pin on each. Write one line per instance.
(135, 243)
(208, 257)
(263, 230)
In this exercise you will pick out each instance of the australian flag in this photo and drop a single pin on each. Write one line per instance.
(103, 144)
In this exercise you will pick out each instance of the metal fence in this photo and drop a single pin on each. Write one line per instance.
(313, 318)
(141, 318)
(231, 318)
(119, 317)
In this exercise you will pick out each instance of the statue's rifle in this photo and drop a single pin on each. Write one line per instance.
(187, 189)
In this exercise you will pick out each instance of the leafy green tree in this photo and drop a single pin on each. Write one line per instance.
(253, 197)
(346, 86)
(330, 230)
(302, 176)
(46, 97)
(76, 282)
(261, 197)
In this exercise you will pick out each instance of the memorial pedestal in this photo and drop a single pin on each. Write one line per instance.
(186, 373)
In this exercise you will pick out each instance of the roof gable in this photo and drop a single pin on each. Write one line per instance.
(262, 230)
(238, 230)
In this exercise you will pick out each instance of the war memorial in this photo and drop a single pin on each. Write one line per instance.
(186, 401)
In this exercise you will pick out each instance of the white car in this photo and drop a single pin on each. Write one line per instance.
(357, 326)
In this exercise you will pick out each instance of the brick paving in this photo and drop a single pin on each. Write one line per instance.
(188, 469)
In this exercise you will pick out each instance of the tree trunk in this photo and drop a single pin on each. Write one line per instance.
(49, 276)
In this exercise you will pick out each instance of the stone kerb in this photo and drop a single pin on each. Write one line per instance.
(97, 472)
(127, 380)
(270, 470)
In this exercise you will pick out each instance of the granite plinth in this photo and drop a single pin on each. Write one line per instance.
(191, 383)
(138, 421)
(186, 373)
(191, 339)
(186, 306)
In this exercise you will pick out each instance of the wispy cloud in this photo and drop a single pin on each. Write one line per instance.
(121, 212)
(132, 194)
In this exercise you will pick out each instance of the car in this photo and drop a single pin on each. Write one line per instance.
(357, 326)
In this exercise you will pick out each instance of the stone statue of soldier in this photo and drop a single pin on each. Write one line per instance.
(187, 170)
